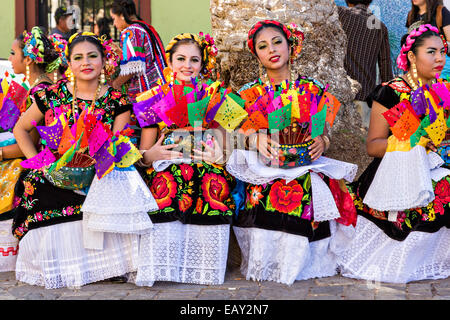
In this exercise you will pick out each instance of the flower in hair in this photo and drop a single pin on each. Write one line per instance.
(209, 52)
(33, 45)
(296, 38)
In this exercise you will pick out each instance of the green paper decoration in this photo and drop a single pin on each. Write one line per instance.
(318, 122)
(281, 118)
(197, 110)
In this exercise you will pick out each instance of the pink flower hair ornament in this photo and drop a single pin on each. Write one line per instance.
(402, 59)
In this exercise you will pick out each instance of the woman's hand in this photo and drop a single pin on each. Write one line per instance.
(161, 152)
(317, 148)
(431, 146)
(265, 145)
(210, 154)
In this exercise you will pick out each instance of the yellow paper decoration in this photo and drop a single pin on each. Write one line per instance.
(292, 97)
(436, 131)
(5, 85)
(131, 157)
(396, 145)
(230, 114)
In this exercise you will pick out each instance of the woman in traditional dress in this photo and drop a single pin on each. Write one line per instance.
(142, 61)
(409, 243)
(189, 242)
(48, 220)
(33, 56)
(142, 58)
(284, 225)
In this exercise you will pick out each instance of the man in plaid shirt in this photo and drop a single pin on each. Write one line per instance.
(368, 44)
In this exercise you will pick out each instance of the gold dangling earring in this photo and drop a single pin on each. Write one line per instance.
(27, 73)
(291, 71)
(414, 71)
(72, 79)
(55, 76)
(102, 77)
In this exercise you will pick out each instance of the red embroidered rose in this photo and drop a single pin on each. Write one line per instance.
(164, 189)
(286, 197)
(442, 195)
(186, 171)
(185, 202)
(215, 191)
(442, 191)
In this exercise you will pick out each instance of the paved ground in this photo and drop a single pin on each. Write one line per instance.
(234, 288)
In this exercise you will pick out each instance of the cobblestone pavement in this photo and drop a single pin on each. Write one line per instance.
(235, 288)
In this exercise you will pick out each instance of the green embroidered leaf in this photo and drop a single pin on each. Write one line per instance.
(307, 183)
(408, 223)
(205, 208)
(214, 213)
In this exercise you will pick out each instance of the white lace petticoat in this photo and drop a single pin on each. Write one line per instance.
(55, 257)
(9, 246)
(119, 202)
(186, 253)
(269, 255)
(372, 255)
(404, 180)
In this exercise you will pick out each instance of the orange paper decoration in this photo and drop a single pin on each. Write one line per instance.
(67, 140)
(405, 126)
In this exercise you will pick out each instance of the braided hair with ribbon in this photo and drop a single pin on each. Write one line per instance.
(204, 42)
(413, 40)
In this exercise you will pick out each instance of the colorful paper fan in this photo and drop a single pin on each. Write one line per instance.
(183, 105)
(425, 116)
(295, 109)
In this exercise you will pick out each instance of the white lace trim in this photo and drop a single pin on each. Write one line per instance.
(395, 187)
(161, 165)
(283, 257)
(184, 253)
(54, 257)
(133, 67)
(246, 166)
(324, 204)
(372, 255)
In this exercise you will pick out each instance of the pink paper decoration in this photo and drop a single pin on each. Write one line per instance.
(98, 136)
(42, 159)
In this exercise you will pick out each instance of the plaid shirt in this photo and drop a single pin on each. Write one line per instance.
(368, 43)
